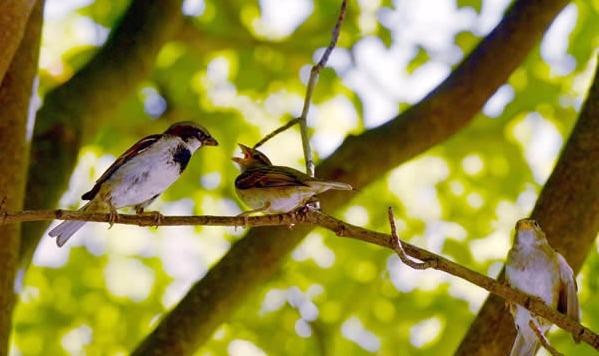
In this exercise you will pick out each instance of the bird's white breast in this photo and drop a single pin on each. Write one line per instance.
(142, 177)
(536, 273)
(533, 272)
(279, 199)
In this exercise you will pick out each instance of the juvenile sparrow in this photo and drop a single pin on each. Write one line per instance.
(275, 189)
(140, 174)
(535, 268)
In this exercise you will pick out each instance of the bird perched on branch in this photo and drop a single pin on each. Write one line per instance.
(274, 189)
(140, 174)
(535, 268)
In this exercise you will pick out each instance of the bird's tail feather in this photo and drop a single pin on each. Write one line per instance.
(524, 346)
(335, 185)
(66, 229)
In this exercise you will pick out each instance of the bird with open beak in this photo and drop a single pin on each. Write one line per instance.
(272, 189)
(535, 268)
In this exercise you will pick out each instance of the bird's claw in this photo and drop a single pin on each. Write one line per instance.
(157, 218)
(113, 218)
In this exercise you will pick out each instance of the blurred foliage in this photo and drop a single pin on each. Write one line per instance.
(240, 72)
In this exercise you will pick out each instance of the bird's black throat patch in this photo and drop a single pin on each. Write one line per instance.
(182, 157)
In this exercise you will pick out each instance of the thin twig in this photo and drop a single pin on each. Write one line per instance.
(310, 89)
(341, 228)
(302, 120)
(398, 248)
(542, 339)
(276, 132)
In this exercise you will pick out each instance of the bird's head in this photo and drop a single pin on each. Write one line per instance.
(252, 158)
(529, 232)
(193, 134)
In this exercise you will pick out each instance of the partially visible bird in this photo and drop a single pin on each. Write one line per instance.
(267, 188)
(140, 174)
(535, 268)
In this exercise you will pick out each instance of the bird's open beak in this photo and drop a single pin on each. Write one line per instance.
(237, 160)
(210, 141)
(247, 151)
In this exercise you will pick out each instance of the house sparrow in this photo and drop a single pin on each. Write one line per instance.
(535, 268)
(275, 189)
(140, 174)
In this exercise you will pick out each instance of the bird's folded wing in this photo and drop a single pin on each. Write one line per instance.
(267, 177)
(568, 297)
(133, 151)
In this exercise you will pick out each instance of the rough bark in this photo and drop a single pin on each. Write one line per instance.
(568, 211)
(90, 95)
(13, 20)
(447, 109)
(15, 94)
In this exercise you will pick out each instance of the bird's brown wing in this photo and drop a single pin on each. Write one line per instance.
(134, 150)
(268, 177)
(568, 299)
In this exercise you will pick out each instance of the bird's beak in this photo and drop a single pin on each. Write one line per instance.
(237, 160)
(247, 151)
(210, 141)
(524, 224)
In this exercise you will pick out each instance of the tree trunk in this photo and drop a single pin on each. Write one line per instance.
(15, 94)
(13, 20)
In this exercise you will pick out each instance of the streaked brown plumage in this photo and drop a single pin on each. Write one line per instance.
(535, 268)
(275, 189)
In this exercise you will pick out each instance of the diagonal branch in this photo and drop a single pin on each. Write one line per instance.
(341, 229)
(446, 110)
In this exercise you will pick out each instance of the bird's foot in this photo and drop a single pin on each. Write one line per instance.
(246, 218)
(113, 218)
(157, 218)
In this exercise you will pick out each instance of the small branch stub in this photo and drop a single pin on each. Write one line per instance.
(398, 248)
(542, 339)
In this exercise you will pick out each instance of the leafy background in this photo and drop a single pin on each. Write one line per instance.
(240, 68)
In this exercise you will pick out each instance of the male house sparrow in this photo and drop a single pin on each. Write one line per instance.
(275, 189)
(140, 174)
(535, 268)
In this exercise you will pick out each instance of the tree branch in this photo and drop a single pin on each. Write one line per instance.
(450, 107)
(91, 95)
(341, 229)
(568, 210)
(542, 339)
(398, 247)
(314, 73)
(288, 125)
(15, 96)
(148, 219)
